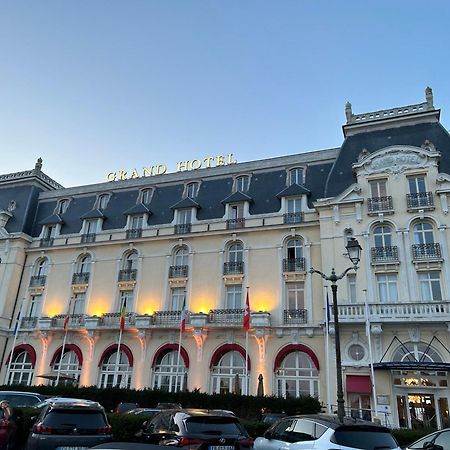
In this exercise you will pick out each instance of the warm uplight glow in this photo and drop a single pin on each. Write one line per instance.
(85, 373)
(202, 302)
(148, 306)
(262, 300)
(54, 308)
(98, 306)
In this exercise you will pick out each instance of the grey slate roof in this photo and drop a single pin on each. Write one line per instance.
(139, 208)
(93, 214)
(52, 220)
(237, 197)
(293, 189)
(185, 203)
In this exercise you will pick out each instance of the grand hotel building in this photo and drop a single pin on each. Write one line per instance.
(203, 236)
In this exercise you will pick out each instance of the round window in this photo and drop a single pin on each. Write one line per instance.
(356, 352)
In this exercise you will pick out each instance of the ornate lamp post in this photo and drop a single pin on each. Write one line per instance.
(354, 254)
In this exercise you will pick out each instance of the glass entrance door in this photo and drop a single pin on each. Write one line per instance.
(417, 411)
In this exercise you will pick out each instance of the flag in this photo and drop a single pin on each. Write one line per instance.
(183, 315)
(16, 326)
(123, 314)
(246, 322)
(367, 317)
(328, 315)
(66, 320)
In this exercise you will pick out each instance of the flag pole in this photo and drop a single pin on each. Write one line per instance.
(327, 349)
(15, 332)
(246, 327)
(182, 324)
(66, 327)
(246, 363)
(121, 328)
(369, 340)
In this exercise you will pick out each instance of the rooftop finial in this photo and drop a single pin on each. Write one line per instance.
(38, 165)
(348, 111)
(429, 97)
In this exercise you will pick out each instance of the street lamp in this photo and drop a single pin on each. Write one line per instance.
(354, 254)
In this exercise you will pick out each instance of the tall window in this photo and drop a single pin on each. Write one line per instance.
(130, 261)
(297, 376)
(90, 226)
(382, 236)
(235, 253)
(387, 287)
(430, 285)
(79, 300)
(191, 190)
(181, 256)
(378, 188)
(136, 222)
(146, 196)
(169, 373)
(294, 205)
(35, 306)
(295, 176)
(115, 375)
(295, 295)
(49, 231)
(69, 365)
(234, 296)
(177, 298)
(41, 268)
(126, 298)
(423, 233)
(236, 211)
(184, 216)
(21, 369)
(351, 285)
(228, 374)
(84, 264)
(294, 248)
(417, 184)
(62, 206)
(242, 183)
(102, 201)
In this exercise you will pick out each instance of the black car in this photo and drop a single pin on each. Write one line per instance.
(196, 428)
(69, 425)
(22, 399)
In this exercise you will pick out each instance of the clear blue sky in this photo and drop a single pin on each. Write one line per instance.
(94, 86)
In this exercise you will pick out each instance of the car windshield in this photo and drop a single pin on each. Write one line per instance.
(368, 439)
(78, 419)
(214, 426)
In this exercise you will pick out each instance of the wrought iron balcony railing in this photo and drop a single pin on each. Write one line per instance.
(81, 278)
(384, 254)
(46, 242)
(75, 321)
(426, 251)
(295, 316)
(293, 217)
(88, 237)
(127, 275)
(233, 268)
(233, 224)
(28, 323)
(420, 200)
(113, 320)
(226, 316)
(167, 318)
(379, 204)
(134, 233)
(183, 228)
(38, 280)
(178, 271)
(294, 265)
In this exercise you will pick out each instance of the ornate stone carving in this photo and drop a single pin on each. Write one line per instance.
(199, 337)
(261, 339)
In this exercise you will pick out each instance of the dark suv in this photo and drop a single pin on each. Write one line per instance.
(73, 425)
(196, 428)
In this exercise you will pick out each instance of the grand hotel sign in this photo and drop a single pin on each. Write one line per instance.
(182, 166)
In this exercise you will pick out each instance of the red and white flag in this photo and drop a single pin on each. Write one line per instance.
(183, 315)
(67, 318)
(246, 322)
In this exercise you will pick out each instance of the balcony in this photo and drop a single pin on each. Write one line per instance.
(134, 233)
(233, 224)
(420, 200)
(295, 316)
(226, 316)
(81, 278)
(88, 237)
(38, 280)
(183, 228)
(436, 311)
(28, 323)
(75, 321)
(294, 265)
(381, 255)
(127, 275)
(178, 271)
(426, 252)
(233, 268)
(167, 318)
(376, 205)
(46, 242)
(112, 320)
(293, 217)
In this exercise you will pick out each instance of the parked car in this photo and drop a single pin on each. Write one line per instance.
(439, 440)
(22, 399)
(168, 405)
(143, 412)
(69, 425)
(196, 428)
(54, 400)
(271, 418)
(123, 407)
(323, 432)
(8, 427)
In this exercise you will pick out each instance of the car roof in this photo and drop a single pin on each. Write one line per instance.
(68, 402)
(76, 405)
(22, 393)
(332, 421)
(191, 412)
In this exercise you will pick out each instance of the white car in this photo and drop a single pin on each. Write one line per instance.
(439, 440)
(324, 432)
(54, 400)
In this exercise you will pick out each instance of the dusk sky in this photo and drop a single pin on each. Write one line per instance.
(96, 86)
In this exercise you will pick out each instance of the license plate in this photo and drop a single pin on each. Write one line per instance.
(71, 448)
(221, 447)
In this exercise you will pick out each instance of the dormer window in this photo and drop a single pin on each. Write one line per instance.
(102, 201)
(191, 190)
(62, 206)
(241, 183)
(146, 196)
(295, 176)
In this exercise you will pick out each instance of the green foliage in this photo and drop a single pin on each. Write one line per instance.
(125, 426)
(405, 437)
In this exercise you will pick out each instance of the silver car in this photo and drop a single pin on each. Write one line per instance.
(439, 440)
(324, 432)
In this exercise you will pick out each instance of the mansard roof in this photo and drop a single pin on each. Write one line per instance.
(139, 208)
(237, 197)
(187, 202)
(93, 214)
(293, 189)
(52, 220)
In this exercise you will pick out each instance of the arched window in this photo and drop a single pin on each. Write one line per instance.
(115, 371)
(424, 246)
(228, 374)
(423, 233)
(146, 196)
(294, 260)
(382, 236)
(84, 264)
(102, 201)
(62, 206)
(69, 367)
(170, 372)
(234, 263)
(41, 268)
(129, 261)
(191, 190)
(242, 183)
(415, 352)
(295, 176)
(297, 376)
(21, 369)
(181, 256)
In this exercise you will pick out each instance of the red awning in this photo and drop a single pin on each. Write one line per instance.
(359, 384)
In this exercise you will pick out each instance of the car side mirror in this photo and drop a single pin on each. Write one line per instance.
(432, 446)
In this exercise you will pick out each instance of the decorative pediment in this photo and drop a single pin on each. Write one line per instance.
(396, 159)
(351, 195)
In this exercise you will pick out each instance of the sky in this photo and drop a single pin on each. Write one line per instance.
(95, 86)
